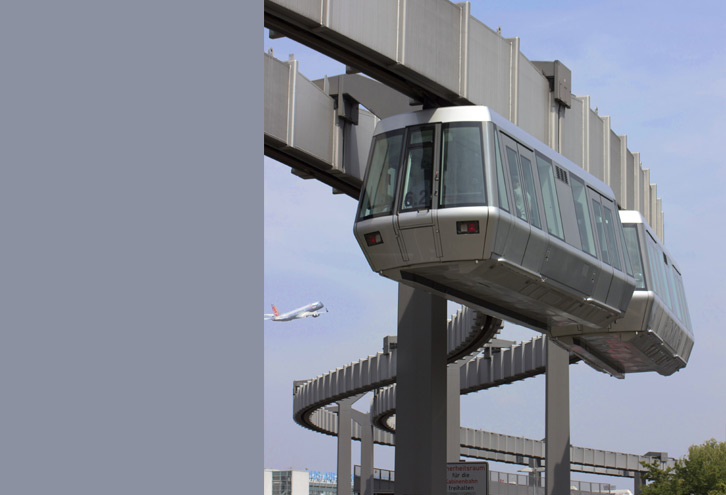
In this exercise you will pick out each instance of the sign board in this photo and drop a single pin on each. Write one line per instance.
(467, 478)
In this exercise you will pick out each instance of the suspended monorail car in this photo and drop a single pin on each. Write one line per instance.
(465, 204)
(656, 332)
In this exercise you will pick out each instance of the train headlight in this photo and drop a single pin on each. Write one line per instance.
(373, 238)
(467, 227)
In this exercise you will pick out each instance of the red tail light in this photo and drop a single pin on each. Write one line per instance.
(373, 238)
(467, 227)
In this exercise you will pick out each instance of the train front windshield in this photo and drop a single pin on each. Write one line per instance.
(455, 177)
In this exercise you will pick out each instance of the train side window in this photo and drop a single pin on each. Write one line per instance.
(630, 234)
(582, 212)
(676, 306)
(662, 267)
(519, 206)
(462, 165)
(528, 180)
(611, 237)
(682, 293)
(380, 188)
(597, 211)
(418, 174)
(501, 185)
(549, 197)
(626, 256)
(655, 256)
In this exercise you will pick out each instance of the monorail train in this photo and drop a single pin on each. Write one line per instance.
(656, 331)
(463, 203)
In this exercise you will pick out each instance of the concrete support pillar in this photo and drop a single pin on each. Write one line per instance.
(366, 451)
(344, 446)
(421, 393)
(638, 483)
(453, 413)
(557, 447)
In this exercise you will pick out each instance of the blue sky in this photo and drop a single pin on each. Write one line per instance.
(659, 70)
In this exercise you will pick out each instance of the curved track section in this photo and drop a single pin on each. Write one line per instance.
(467, 331)
(492, 369)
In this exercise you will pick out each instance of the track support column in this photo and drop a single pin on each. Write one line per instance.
(345, 432)
(638, 483)
(557, 429)
(421, 393)
(366, 451)
(453, 413)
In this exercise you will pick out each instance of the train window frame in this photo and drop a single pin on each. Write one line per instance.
(443, 161)
(519, 212)
(529, 179)
(610, 235)
(405, 168)
(502, 187)
(369, 174)
(601, 240)
(672, 288)
(583, 218)
(554, 221)
(682, 294)
(624, 249)
(655, 255)
(640, 282)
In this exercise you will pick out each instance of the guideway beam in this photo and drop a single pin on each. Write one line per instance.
(421, 403)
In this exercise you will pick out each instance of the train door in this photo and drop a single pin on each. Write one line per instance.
(414, 219)
(604, 280)
(621, 289)
(538, 243)
(519, 231)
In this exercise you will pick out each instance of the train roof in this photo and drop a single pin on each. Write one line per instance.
(476, 113)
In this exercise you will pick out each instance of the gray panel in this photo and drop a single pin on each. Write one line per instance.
(616, 173)
(572, 131)
(489, 66)
(534, 100)
(597, 167)
(357, 143)
(307, 8)
(313, 120)
(629, 182)
(373, 23)
(644, 206)
(431, 41)
(277, 79)
(652, 217)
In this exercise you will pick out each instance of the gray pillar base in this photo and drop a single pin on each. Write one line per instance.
(421, 393)
(557, 447)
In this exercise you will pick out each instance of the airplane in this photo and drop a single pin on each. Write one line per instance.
(304, 312)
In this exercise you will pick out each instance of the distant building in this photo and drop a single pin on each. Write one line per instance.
(291, 482)
(286, 482)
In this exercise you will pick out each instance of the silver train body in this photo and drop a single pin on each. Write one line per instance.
(461, 202)
(656, 332)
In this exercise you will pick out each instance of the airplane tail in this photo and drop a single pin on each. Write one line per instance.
(275, 311)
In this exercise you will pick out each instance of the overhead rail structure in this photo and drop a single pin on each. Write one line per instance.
(465, 63)
(313, 399)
